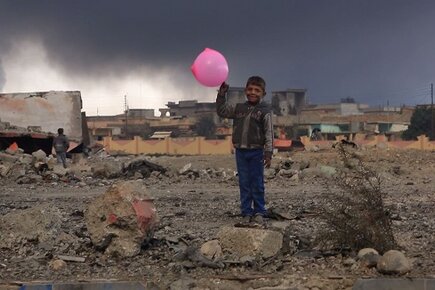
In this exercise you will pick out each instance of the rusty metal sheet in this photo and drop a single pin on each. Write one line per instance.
(48, 110)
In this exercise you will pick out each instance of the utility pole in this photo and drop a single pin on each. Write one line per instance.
(432, 135)
(126, 115)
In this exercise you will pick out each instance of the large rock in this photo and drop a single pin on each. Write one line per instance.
(122, 219)
(250, 242)
(394, 262)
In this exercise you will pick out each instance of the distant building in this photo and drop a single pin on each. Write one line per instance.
(190, 108)
(140, 113)
(288, 102)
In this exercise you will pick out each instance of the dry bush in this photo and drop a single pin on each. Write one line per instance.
(355, 215)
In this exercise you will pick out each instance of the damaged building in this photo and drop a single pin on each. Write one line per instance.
(31, 120)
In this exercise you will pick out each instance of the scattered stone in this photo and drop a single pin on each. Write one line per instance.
(211, 250)
(287, 172)
(59, 170)
(327, 171)
(250, 242)
(394, 262)
(349, 262)
(370, 260)
(39, 156)
(269, 173)
(185, 169)
(57, 265)
(365, 251)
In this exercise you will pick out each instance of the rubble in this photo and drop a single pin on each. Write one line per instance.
(193, 208)
(122, 220)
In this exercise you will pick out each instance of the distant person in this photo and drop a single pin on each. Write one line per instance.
(253, 141)
(316, 134)
(61, 145)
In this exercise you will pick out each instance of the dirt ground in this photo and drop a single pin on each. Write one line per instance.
(194, 209)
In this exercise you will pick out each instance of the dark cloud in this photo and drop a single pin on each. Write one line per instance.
(370, 49)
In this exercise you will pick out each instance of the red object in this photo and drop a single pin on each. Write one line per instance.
(14, 147)
(112, 218)
(146, 214)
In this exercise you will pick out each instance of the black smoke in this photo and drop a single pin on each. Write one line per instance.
(375, 51)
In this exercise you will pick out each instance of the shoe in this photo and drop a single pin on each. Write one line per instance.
(246, 219)
(258, 219)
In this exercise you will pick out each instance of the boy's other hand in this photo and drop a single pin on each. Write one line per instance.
(223, 89)
(267, 161)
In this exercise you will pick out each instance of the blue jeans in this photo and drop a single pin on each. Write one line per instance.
(250, 168)
(61, 158)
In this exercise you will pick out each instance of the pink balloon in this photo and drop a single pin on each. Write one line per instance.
(210, 68)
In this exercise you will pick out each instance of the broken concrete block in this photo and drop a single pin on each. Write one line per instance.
(394, 262)
(250, 242)
(8, 157)
(39, 156)
(26, 159)
(4, 169)
(122, 219)
(211, 250)
(59, 170)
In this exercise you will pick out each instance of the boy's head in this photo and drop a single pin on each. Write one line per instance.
(255, 89)
(60, 131)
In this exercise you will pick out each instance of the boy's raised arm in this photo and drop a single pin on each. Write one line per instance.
(223, 109)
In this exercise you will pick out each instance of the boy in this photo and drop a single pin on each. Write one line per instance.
(253, 140)
(61, 145)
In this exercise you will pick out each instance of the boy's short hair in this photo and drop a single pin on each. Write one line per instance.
(257, 81)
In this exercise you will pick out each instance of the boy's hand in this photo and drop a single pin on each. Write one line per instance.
(267, 162)
(223, 89)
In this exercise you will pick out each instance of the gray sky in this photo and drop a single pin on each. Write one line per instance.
(376, 51)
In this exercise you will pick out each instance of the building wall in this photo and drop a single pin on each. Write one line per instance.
(170, 146)
(48, 110)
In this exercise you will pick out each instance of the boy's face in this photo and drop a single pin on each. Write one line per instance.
(254, 93)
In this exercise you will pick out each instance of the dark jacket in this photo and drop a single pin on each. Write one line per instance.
(252, 125)
(60, 143)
